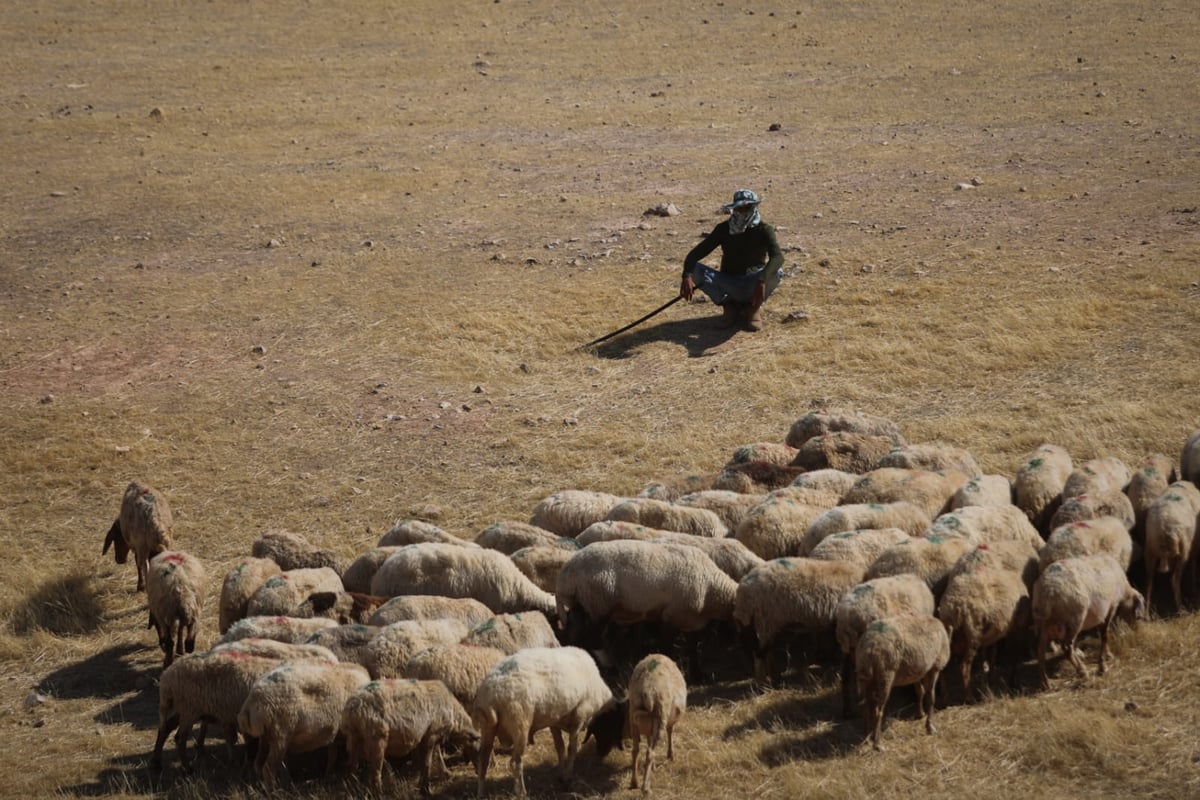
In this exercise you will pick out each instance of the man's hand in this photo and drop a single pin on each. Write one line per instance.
(760, 294)
(687, 287)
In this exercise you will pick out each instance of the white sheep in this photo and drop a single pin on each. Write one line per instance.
(294, 551)
(1096, 476)
(861, 547)
(908, 517)
(388, 652)
(843, 450)
(394, 718)
(863, 604)
(1088, 537)
(731, 507)
(512, 632)
(901, 650)
(461, 667)
(357, 576)
(144, 525)
(1148, 481)
(928, 490)
(280, 593)
(297, 707)
(1013, 555)
(822, 421)
(542, 564)
(731, 556)
(790, 595)
(414, 531)
(671, 489)
(1189, 459)
(509, 536)
(279, 628)
(775, 527)
(1090, 505)
(1038, 485)
(450, 571)
(467, 610)
(984, 490)
(933, 457)
(568, 512)
(175, 591)
(981, 608)
(770, 452)
(545, 687)
(932, 558)
(280, 651)
(611, 530)
(833, 481)
(987, 524)
(239, 584)
(348, 642)
(1078, 594)
(669, 517)
(1171, 536)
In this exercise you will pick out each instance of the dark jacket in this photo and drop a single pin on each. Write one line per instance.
(740, 253)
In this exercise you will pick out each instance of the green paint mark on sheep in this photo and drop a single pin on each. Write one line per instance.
(486, 626)
(863, 589)
(506, 666)
(373, 686)
(786, 563)
(275, 582)
(653, 665)
(875, 506)
(1036, 463)
(879, 626)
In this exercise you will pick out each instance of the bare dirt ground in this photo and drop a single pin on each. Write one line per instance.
(325, 267)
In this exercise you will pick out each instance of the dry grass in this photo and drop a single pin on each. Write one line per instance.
(456, 194)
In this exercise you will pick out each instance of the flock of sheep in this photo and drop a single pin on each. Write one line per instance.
(906, 554)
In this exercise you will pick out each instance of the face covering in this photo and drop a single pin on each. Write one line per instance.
(742, 219)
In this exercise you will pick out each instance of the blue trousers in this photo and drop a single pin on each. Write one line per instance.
(722, 288)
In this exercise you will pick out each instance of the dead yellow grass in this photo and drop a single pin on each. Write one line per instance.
(420, 211)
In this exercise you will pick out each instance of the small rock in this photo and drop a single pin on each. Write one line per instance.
(499, 257)
(58, 194)
(444, 404)
(774, 126)
(825, 262)
(156, 114)
(961, 186)
(799, 315)
(321, 502)
(122, 448)
(976, 182)
(662, 210)
(259, 349)
(46, 399)
(525, 368)
(1131, 706)
(712, 370)
(868, 268)
(34, 699)
(368, 243)
(274, 243)
(571, 421)
(478, 390)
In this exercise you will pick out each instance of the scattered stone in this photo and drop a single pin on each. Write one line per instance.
(976, 182)
(960, 186)
(34, 699)
(799, 315)
(868, 268)
(662, 210)
(525, 368)
(274, 243)
(259, 349)
(46, 399)
(444, 404)
(58, 194)
(825, 262)
(156, 114)
(774, 126)
(569, 421)
(478, 390)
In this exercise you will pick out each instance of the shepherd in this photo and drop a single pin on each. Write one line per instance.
(750, 263)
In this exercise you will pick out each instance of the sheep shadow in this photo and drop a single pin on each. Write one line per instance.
(108, 674)
(697, 335)
(64, 606)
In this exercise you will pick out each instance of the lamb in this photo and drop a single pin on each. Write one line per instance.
(1089, 537)
(869, 601)
(395, 718)
(555, 687)
(1171, 536)
(239, 585)
(755, 477)
(450, 571)
(1075, 595)
(345, 607)
(1189, 459)
(823, 421)
(358, 575)
(279, 629)
(1099, 475)
(542, 564)
(280, 593)
(512, 632)
(468, 611)
(568, 512)
(775, 453)
(731, 556)
(731, 507)
(833, 481)
(775, 527)
(175, 586)
(671, 489)
(1038, 486)
(843, 450)
(898, 651)
(461, 667)
(986, 524)
(980, 609)
(669, 517)
(1014, 555)
(1149, 480)
(144, 525)
(983, 490)
(861, 547)
(387, 654)
(906, 516)
(414, 531)
(297, 707)
(293, 551)
(790, 594)
(509, 537)
(609, 530)
(933, 457)
(1107, 502)
(932, 558)
(930, 491)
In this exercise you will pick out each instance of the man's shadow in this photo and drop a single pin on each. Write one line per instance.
(697, 335)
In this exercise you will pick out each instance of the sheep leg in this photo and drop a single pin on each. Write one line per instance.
(181, 737)
(670, 740)
(164, 730)
(1177, 584)
(932, 679)
(1075, 657)
(140, 560)
(572, 751)
(1104, 651)
(425, 753)
(1043, 644)
(968, 664)
(651, 743)
(848, 687)
(486, 741)
(1151, 568)
(637, 743)
(560, 748)
(517, 767)
(879, 699)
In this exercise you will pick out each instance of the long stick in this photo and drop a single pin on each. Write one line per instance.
(638, 321)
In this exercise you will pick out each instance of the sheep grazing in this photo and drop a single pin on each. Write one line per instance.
(671, 489)
(461, 667)
(755, 477)
(901, 650)
(414, 531)
(393, 718)
(797, 595)
(860, 547)
(731, 507)
(1189, 459)
(669, 517)
(387, 653)
(1099, 475)
(775, 527)
(610, 530)
(1107, 502)
(823, 421)
(450, 571)
(468, 611)
(1078, 594)
(910, 518)
(1148, 481)
(1171, 536)
(346, 608)
(833, 481)
(1089, 537)
(843, 450)
(981, 608)
(143, 525)
(280, 629)
(239, 586)
(983, 490)
(930, 491)
(568, 512)
(865, 603)
(348, 642)
(543, 687)
(542, 564)
(280, 593)
(986, 524)
(357, 576)
(1038, 486)
(512, 632)
(509, 537)
(175, 587)
(932, 558)
(770, 452)
(1015, 556)
(731, 556)
(280, 651)
(293, 551)
(932, 457)
(297, 707)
